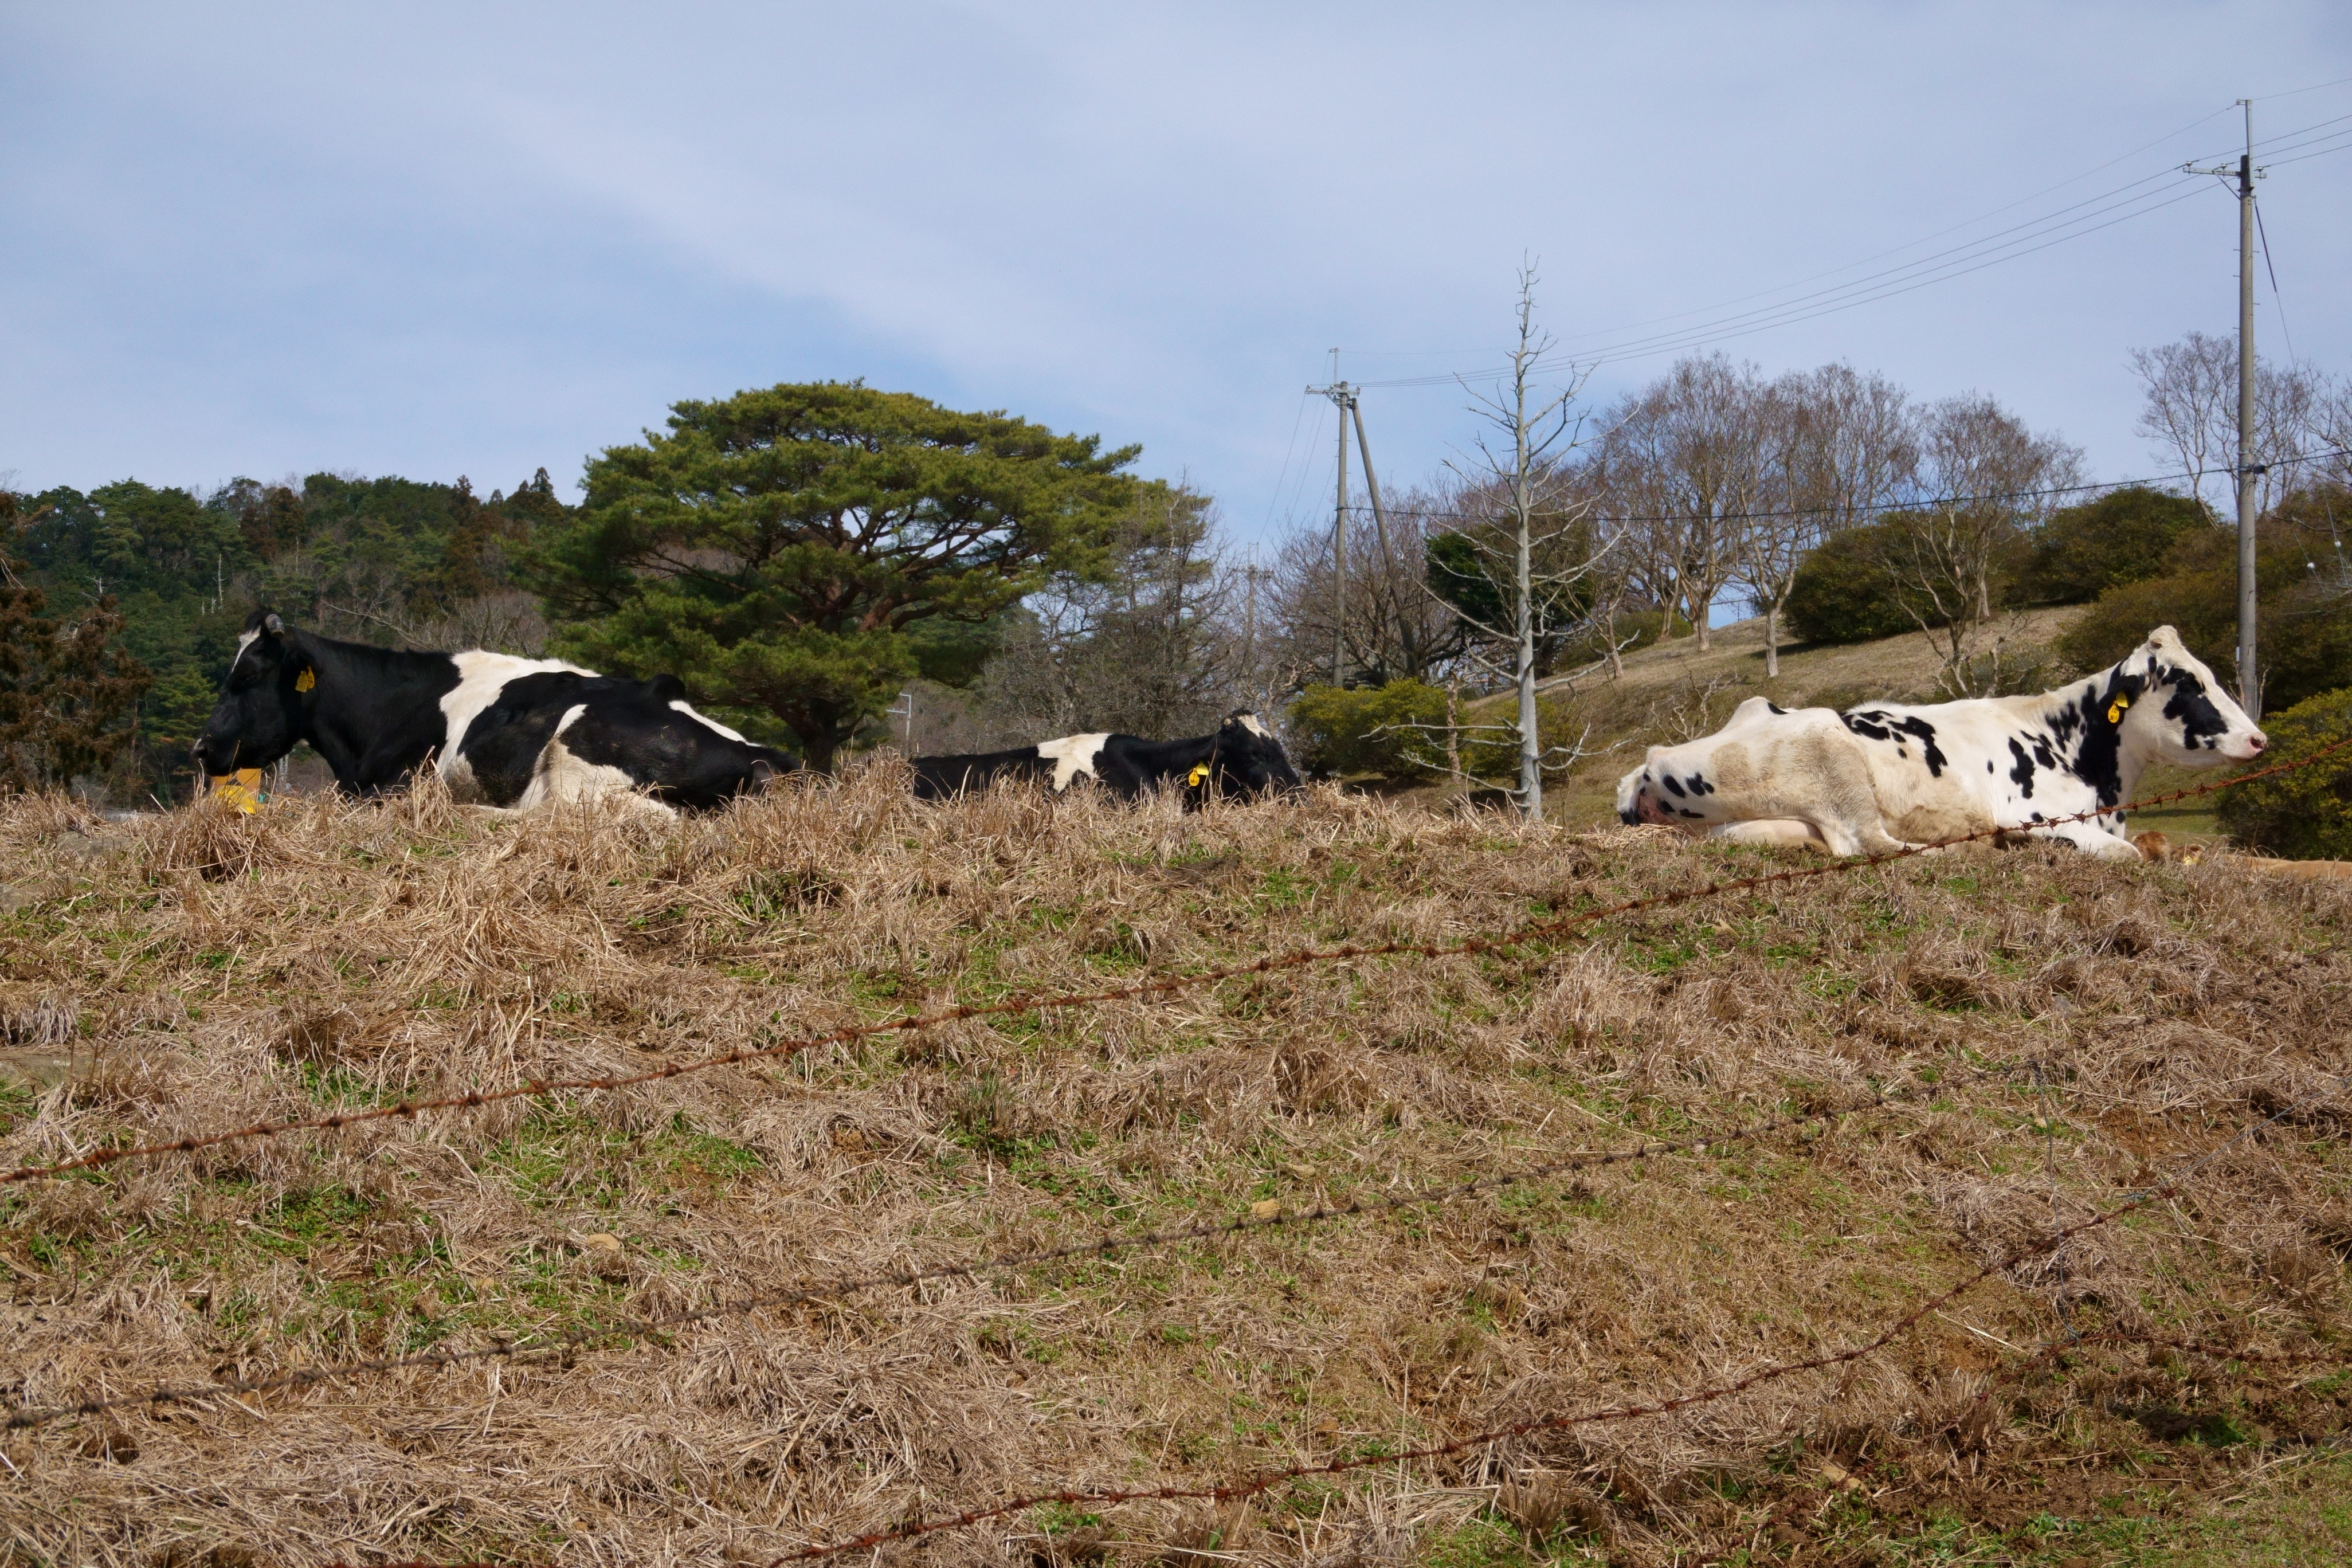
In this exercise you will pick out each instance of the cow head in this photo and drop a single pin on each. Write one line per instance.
(2166, 706)
(1247, 760)
(1643, 795)
(260, 714)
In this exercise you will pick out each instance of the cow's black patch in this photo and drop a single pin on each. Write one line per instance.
(2099, 760)
(1693, 815)
(1774, 707)
(1875, 724)
(1988, 764)
(1674, 785)
(2022, 773)
(1913, 725)
(1870, 726)
(1699, 784)
(2201, 724)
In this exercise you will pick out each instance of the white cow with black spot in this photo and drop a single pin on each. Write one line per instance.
(1885, 777)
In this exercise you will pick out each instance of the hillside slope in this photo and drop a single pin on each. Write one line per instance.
(2048, 1033)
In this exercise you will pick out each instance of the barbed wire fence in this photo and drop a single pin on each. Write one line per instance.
(1037, 1002)
(1260, 1482)
(564, 1347)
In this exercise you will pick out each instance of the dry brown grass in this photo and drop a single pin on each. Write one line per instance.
(204, 970)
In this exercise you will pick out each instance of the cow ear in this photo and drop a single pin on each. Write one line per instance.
(272, 624)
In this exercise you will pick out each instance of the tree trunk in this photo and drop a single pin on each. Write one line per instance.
(1773, 640)
(1531, 745)
(1453, 727)
(1702, 612)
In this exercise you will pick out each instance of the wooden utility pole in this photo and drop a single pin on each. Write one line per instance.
(1343, 398)
(2249, 687)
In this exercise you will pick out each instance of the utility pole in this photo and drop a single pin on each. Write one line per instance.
(908, 713)
(1371, 485)
(1249, 624)
(2250, 689)
(1343, 398)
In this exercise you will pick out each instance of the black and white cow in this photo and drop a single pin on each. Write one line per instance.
(503, 731)
(1240, 758)
(1878, 779)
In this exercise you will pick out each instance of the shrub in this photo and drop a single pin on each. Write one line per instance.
(1846, 592)
(1345, 732)
(2304, 815)
(2306, 619)
(2123, 538)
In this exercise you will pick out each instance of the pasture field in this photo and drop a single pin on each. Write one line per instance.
(2032, 1036)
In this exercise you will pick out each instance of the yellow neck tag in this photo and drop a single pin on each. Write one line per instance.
(307, 679)
(2116, 709)
(1199, 774)
(241, 789)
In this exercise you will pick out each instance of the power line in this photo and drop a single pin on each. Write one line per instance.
(1942, 267)
(1931, 503)
(2069, 222)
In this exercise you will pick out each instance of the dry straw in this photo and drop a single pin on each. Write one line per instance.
(541, 1088)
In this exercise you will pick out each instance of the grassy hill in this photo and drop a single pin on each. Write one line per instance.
(2047, 1032)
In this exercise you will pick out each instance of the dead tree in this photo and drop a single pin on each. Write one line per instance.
(1535, 542)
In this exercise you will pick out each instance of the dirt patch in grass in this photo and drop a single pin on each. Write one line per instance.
(2052, 1031)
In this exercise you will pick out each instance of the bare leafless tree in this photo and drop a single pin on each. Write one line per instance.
(1980, 466)
(1538, 544)
(2190, 415)
(1684, 457)
(1150, 648)
(1395, 627)
(1836, 446)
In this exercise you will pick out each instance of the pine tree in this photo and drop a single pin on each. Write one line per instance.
(775, 550)
(66, 694)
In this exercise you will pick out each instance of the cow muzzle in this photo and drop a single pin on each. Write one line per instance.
(1647, 809)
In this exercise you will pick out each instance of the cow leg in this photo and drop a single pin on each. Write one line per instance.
(1771, 830)
(2090, 838)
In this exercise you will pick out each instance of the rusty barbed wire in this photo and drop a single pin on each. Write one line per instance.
(1266, 1480)
(571, 1342)
(2210, 1350)
(1035, 1002)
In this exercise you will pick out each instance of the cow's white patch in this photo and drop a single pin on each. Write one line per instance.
(480, 678)
(679, 706)
(1768, 830)
(1071, 757)
(1249, 721)
(561, 776)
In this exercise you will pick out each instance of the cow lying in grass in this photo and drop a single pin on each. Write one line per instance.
(1240, 758)
(503, 731)
(1885, 777)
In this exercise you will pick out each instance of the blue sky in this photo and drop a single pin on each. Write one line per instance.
(435, 240)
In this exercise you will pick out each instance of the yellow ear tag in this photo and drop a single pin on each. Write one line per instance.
(241, 789)
(2116, 709)
(307, 679)
(1194, 778)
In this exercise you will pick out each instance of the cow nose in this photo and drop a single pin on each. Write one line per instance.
(2256, 742)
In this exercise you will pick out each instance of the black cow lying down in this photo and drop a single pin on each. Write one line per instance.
(1240, 758)
(503, 731)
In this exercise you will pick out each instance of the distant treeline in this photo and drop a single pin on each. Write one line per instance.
(384, 561)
